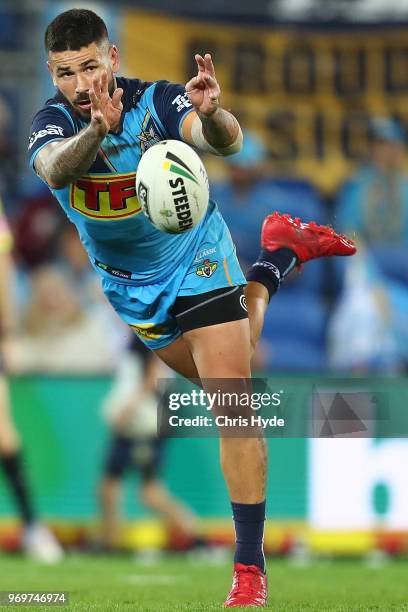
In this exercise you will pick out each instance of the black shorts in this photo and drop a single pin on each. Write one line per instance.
(143, 455)
(211, 308)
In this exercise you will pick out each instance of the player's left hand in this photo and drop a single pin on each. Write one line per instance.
(203, 90)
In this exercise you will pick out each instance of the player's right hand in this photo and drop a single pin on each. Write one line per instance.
(106, 111)
(203, 90)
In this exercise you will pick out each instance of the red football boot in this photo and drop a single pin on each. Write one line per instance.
(307, 240)
(249, 587)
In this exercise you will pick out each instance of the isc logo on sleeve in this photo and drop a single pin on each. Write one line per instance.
(111, 196)
(49, 130)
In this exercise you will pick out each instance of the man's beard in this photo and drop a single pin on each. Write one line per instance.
(75, 104)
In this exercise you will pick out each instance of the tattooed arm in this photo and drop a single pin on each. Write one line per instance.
(61, 162)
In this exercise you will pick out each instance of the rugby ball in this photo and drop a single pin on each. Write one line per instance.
(172, 186)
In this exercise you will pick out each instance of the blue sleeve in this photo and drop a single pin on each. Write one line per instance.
(50, 123)
(172, 105)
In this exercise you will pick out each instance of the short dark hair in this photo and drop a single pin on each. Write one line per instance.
(74, 29)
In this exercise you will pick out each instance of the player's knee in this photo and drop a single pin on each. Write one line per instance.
(108, 489)
(9, 443)
(148, 493)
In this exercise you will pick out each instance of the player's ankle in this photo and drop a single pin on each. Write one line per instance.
(249, 520)
(272, 267)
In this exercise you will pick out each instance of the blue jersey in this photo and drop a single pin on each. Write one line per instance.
(102, 203)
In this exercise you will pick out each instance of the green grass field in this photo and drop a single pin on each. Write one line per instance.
(102, 583)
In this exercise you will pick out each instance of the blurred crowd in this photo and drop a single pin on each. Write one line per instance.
(340, 315)
(333, 316)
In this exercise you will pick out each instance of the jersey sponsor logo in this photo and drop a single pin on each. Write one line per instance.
(110, 196)
(204, 253)
(207, 269)
(113, 271)
(150, 331)
(49, 130)
(181, 101)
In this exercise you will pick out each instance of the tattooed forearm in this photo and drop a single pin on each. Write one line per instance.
(60, 163)
(219, 129)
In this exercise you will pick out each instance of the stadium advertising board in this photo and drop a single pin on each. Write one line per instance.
(358, 484)
(310, 92)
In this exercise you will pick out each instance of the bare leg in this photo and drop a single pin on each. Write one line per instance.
(223, 351)
(109, 498)
(257, 299)
(178, 354)
(10, 457)
(9, 438)
(156, 496)
(178, 357)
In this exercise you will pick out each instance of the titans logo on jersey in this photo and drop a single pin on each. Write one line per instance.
(103, 203)
(149, 135)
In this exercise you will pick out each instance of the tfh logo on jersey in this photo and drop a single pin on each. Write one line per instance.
(111, 196)
(50, 128)
(182, 102)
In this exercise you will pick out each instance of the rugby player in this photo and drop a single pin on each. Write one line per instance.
(130, 409)
(86, 143)
(38, 542)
